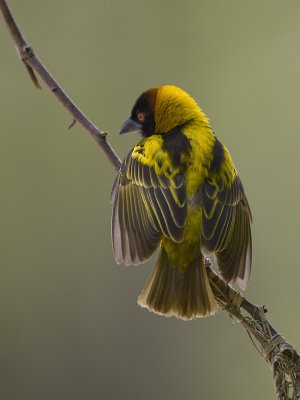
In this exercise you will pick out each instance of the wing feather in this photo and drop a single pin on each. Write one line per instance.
(226, 220)
(146, 206)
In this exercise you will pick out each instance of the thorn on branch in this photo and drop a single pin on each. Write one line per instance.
(26, 52)
(72, 123)
(32, 75)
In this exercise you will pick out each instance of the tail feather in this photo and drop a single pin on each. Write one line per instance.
(170, 292)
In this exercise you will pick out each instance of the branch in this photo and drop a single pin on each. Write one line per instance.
(282, 357)
(273, 347)
(35, 66)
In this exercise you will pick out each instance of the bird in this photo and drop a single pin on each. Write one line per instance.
(178, 190)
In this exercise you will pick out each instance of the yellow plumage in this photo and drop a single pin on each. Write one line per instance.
(178, 188)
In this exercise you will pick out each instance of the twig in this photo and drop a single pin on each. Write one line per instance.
(35, 66)
(282, 357)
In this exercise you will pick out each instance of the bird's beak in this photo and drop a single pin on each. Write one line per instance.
(131, 126)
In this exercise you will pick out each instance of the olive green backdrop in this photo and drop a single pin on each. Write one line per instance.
(70, 326)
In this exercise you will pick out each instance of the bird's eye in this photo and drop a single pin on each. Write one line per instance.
(141, 116)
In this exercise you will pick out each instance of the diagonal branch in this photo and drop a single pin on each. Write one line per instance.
(282, 357)
(35, 66)
(273, 347)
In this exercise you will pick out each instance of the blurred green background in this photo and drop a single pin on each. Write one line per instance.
(70, 325)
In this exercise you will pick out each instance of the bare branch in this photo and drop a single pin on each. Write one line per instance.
(36, 67)
(282, 357)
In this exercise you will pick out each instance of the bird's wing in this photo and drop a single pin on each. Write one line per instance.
(226, 220)
(149, 201)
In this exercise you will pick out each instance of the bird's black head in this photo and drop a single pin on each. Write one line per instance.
(161, 110)
(142, 115)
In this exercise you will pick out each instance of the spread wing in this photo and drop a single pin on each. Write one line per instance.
(226, 220)
(149, 201)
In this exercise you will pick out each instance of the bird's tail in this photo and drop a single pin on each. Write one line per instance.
(170, 292)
